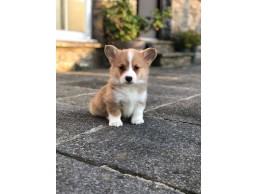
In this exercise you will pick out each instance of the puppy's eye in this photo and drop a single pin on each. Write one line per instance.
(122, 68)
(136, 67)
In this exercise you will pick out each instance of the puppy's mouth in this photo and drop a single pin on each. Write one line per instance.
(129, 83)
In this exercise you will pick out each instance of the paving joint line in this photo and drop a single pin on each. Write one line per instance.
(72, 105)
(163, 96)
(142, 179)
(182, 99)
(93, 130)
(175, 87)
(123, 171)
(62, 103)
(86, 73)
(176, 121)
(78, 95)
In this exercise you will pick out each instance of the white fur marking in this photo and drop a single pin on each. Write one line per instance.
(129, 97)
(115, 120)
(130, 71)
(130, 58)
(137, 117)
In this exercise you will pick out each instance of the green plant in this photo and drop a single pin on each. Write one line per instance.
(157, 22)
(190, 39)
(121, 24)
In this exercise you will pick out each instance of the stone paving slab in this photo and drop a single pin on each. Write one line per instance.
(81, 100)
(193, 83)
(156, 96)
(73, 117)
(192, 70)
(93, 83)
(157, 150)
(64, 78)
(188, 110)
(67, 91)
(74, 120)
(171, 91)
(164, 150)
(154, 101)
(74, 176)
(84, 100)
(69, 78)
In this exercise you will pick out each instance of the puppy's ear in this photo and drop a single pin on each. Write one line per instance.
(149, 55)
(111, 52)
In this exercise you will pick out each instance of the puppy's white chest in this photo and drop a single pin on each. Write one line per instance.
(129, 98)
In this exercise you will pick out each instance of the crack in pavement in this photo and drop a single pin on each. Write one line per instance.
(179, 121)
(124, 172)
(93, 130)
(170, 103)
(141, 179)
(175, 121)
(78, 95)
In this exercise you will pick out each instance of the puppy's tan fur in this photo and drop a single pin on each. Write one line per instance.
(113, 99)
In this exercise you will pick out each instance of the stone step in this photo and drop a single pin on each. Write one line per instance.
(162, 46)
(173, 59)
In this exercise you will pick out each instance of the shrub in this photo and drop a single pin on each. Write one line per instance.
(189, 39)
(121, 24)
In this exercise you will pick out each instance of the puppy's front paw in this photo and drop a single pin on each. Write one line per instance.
(137, 121)
(116, 123)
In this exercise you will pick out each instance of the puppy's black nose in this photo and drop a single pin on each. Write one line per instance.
(128, 78)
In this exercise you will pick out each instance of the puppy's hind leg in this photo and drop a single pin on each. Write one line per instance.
(92, 108)
(97, 109)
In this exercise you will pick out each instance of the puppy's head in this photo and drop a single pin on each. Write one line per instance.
(129, 66)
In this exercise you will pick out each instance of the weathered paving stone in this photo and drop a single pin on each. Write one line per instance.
(68, 91)
(175, 92)
(155, 101)
(74, 120)
(188, 110)
(165, 150)
(188, 77)
(93, 83)
(73, 176)
(193, 70)
(158, 150)
(67, 79)
(193, 83)
(82, 100)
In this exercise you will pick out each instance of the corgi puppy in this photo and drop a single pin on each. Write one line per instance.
(126, 91)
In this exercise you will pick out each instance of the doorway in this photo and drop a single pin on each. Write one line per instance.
(146, 8)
